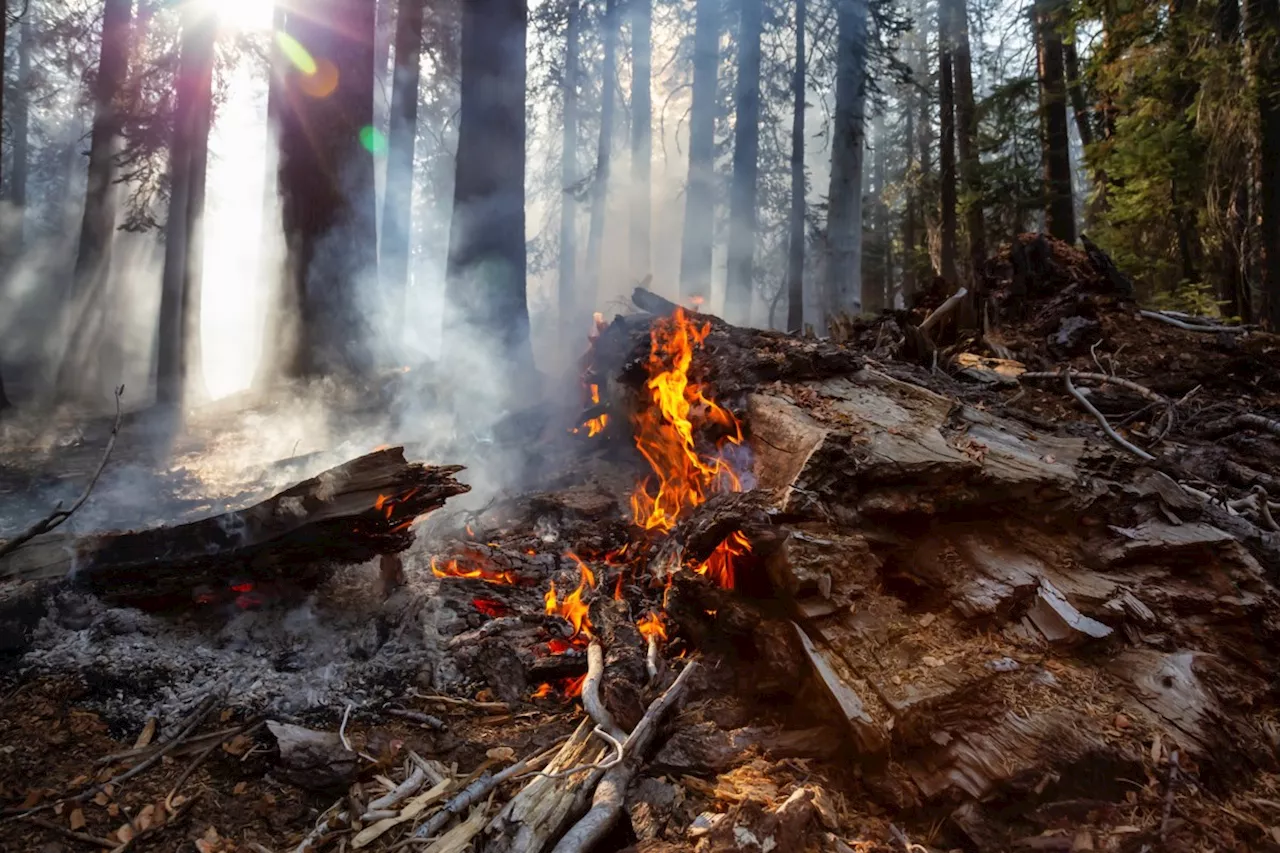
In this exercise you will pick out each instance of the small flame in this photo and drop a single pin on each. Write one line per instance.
(664, 431)
(651, 625)
(573, 609)
(470, 533)
(557, 646)
(543, 691)
(617, 587)
(381, 502)
(573, 686)
(596, 425)
(452, 569)
(719, 566)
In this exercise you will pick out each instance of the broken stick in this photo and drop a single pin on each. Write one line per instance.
(1193, 327)
(606, 805)
(58, 515)
(1115, 437)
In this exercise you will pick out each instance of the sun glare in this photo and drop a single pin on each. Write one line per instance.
(240, 14)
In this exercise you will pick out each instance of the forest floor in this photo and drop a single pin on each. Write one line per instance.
(914, 551)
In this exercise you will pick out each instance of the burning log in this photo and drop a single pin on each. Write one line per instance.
(346, 515)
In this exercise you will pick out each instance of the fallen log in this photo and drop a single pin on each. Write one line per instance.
(346, 515)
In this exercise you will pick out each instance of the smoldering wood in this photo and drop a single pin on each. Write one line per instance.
(349, 514)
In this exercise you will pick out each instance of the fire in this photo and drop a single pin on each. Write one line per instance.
(719, 566)
(557, 646)
(573, 609)
(596, 425)
(543, 691)
(573, 686)
(452, 569)
(490, 607)
(651, 625)
(665, 432)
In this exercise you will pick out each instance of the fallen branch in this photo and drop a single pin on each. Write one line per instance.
(1263, 505)
(1170, 786)
(1193, 327)
(395, 796)
(67, 833)
(58, 515)
(591, 700)
(1115, 437)
(606, 805)
(944, 310)
(476, 791)
(329, 821)
(1105, 378)
(429, 720)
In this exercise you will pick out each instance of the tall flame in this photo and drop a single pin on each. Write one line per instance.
(650, 625)
(665, 430)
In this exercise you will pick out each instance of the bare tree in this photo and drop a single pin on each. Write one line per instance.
(746, 156)
(568, 297)
(699, 200)
(946, 151)
(641, 135)
(1059, 208)
(966, 116)
(796, 231)
(604, 147)
(842, 292)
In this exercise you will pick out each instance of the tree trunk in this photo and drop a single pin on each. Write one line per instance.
(848, 142)
(967, 137)
(1233, 196)
(99, 220)
(397, 214)
(278, 332)
(569, 310)
(909, 178)
(699, 200)
(796, 231)
(947, 157)
(746, 166)
(1184, 201)
(1075, 88)
(874, 288)
(1059, 213)
(327, 185)
(1262, 35)
(485, 293)
(188, 158)
(604, 149)
(21, 110)
(641, 135)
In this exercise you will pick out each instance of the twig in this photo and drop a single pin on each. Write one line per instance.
(606, 805)
(1105, 378)
(1263, 504)
(418, 717)
(477, 790)
(465, 703)
(391, 799)
(58, 515)
(342, 729)
(651, 658)
(596, 765)
(591, 700)
(156, 828)
(1170, 784)
(67, 833)
(200, 759)
(1102, 421)
(327, 822)
(1193, 327)
(905, 841)
(942, 311)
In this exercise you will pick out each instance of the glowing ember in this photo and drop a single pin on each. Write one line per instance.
(452, 569)
(573, 686)
(650, 625)
(558, 646)
(573, 609)
(490, 607)
(719, 566)
(242, 587)
(664, 431)
(596, 425)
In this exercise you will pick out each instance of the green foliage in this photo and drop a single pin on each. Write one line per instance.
(1191, 297)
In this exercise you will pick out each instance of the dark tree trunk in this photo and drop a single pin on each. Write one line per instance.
(877, 290)
(1262, 35)
(279, 334)
(909, 214)
(188, 158)
(1233, 196)
(843, 287)
(327, 185)
(485, 294)
(967, 136)
(4, 28)
(947, 158)
(569, 309)
(795, 243)
(641, 135)
(98, 224)
(699, 200)
(604, 149)
(1059, 212)
(1075, 88)
(20, 124)
(1182, 201)
(746, 165)
(397, 212)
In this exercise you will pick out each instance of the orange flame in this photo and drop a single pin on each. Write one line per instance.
(651, 625)
(451, 569)
(664, 431)
(595, 426)
(543, 691)
(573, 608)
(573, 686)
(719, 566)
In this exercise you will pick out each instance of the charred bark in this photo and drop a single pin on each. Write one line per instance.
(327, 185)
(842, 293)
(604, 148)
(188, 158)
(397, 213)
(568, 296)
(641, 135)
(795, 240)
(1058, 200)
(746, 155)
(486, 276)
(699, 204)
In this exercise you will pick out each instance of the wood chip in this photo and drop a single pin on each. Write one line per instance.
(240, 788)
(77, 820)
(146, 735)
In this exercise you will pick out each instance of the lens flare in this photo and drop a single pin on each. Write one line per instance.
(373, 140)
(298, 56)
(322, 82)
